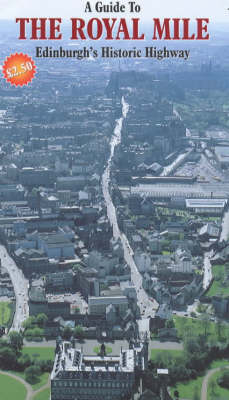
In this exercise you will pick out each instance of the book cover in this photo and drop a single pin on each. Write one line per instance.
(114, 222)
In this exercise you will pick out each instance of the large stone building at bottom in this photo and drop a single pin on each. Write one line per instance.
(76, 376)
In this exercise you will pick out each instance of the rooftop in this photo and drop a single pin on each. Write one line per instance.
(72, 359)
(107, 300)
(208, 203)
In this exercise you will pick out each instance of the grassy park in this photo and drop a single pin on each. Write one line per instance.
(97, 349)
(185, 326)
(155, 353)
(41, 353)
(11, 389)
(220, 285)
(37, 353)
(187, 389)
(43, 395)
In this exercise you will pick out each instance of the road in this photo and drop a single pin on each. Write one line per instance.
(20, 284)
(225, 227)
(147, 307)
(207, 270)
(176, 113)
(116, 345)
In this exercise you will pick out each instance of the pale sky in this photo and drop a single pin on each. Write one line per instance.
(215, 10)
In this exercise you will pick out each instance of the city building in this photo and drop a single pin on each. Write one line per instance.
(222, 155)
(76, 376)
(36, 176)
(98, 305)
(59, 281)
(56, 246)
(38, 303)
(206, 206)
(87, 281)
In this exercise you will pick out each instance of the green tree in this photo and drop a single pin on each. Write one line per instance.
(45, 365)
(23, 362)
(3, 342)
(191, 346)
(212, 387)
(35, 333)
(223, 380)
(41, 320)
(76, 267)
(8, 358)
(16, 341)
(38, 332)
(176, 394)
(184, 329)
(206, 324)
(32, 373)
(219, 329)
(170, 323)
(67, 333)
(78, 332)
(28, 334)
(196, 395)
(29, 323)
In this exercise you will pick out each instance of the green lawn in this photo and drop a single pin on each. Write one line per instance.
(218, 363)
(5, 312)
(187, 389)
(217, 287)
(42, 379)
(168, 212)
(11, 389)
(196, 326)
(97, 349)
(171, 353)
(43, 395)
(41, 353)
(218, 392)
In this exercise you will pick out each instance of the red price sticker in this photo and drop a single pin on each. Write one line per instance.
(19, 69)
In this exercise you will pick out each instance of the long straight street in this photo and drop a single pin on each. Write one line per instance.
(147, 306)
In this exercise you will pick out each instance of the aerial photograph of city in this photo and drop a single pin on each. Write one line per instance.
(114, 201)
